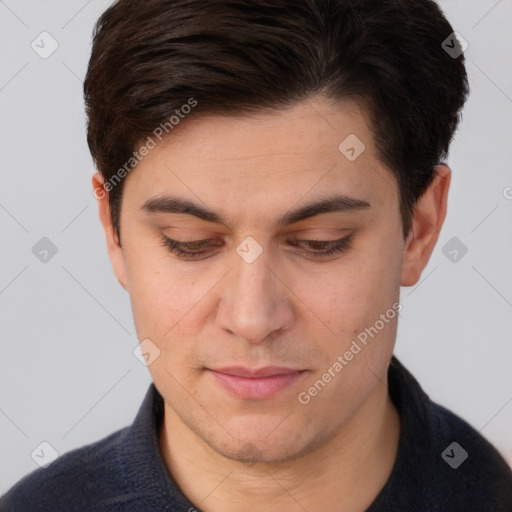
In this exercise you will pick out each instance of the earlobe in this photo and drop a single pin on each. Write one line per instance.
(114, 249)
(429, 215)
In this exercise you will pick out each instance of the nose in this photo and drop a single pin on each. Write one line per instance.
(255, 302)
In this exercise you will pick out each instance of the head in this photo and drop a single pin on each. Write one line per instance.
(255, 113)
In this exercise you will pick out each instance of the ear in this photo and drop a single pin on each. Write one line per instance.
(429, 215)
(115, 251)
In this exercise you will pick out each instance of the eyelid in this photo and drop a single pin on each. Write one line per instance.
(293, 237)
(337, 246)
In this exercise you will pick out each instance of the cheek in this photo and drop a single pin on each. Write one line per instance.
(170, 300)
(352, 296)
(160, 307)
(155, 293)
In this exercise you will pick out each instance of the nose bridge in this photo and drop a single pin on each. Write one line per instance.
(253, 278)
(254, 302)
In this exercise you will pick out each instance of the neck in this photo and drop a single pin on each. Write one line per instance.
(345, 473)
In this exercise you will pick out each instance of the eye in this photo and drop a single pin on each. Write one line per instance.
(182, 249)
(192, 249)
(325, 247)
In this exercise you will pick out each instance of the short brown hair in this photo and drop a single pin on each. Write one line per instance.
(151, 57)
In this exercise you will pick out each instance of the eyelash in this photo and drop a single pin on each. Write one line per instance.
(336, 246)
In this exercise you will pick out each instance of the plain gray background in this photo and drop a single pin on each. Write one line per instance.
(68, 373)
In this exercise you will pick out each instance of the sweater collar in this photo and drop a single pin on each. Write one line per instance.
(141, 461)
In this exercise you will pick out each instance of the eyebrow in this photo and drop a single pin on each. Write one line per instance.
(339, 203)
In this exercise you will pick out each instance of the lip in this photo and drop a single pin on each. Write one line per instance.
(255, 384)
(267, 371)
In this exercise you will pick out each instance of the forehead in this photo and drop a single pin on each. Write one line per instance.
(311, 126)
(274, 160)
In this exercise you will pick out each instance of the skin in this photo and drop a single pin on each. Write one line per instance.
(285, 308)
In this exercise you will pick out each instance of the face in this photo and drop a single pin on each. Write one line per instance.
(266, 281)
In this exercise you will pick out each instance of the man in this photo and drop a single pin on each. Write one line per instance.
(270, 174)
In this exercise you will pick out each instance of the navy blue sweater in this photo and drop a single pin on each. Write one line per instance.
(443, 465)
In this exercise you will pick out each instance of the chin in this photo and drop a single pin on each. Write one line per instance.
(267, 446)
(251, 454)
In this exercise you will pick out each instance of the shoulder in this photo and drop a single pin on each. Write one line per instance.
(442, 462)
(469, 463)
(72, 482)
